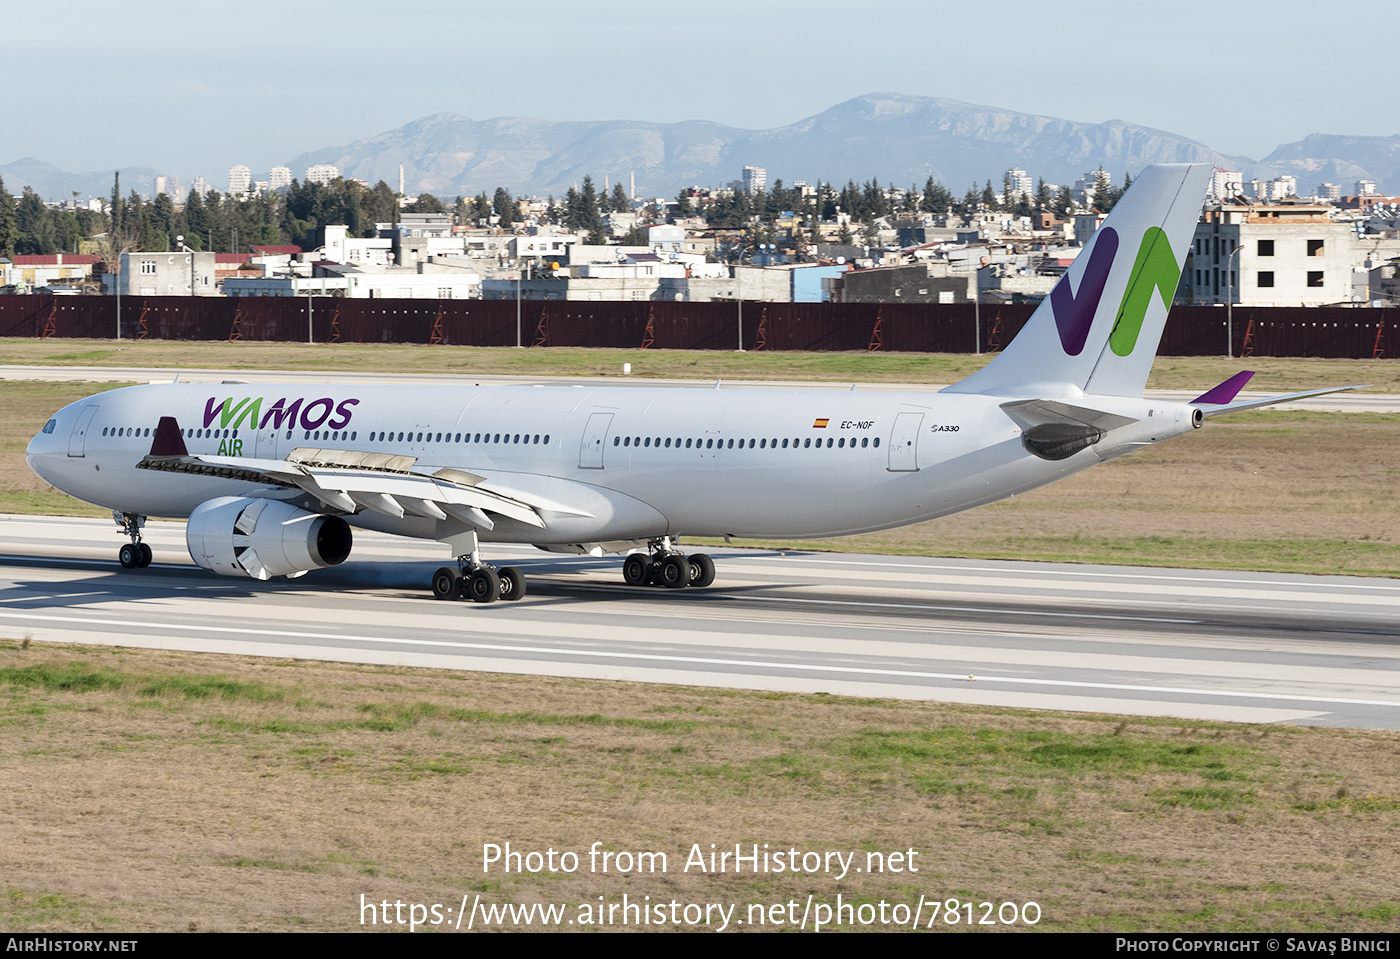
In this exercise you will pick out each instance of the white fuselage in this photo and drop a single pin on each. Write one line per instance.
(619, 464)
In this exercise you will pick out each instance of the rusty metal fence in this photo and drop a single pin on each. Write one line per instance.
(903, 327)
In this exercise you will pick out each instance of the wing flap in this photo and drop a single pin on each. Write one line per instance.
(349, 481)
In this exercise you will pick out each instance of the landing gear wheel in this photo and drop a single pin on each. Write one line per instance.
(447, 583)
(145, 556)
(130, 556)
(483, 586)
(635, 569)
(512, 584)
(674, 572)
(702, 570)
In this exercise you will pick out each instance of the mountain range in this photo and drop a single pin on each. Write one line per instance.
(899, 139)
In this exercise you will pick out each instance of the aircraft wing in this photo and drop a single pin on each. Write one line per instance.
(349, 481)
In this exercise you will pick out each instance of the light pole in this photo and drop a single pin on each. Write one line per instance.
(1230, 301)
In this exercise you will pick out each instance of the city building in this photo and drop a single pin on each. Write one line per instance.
(1020, 182)
(166, 274)
(1278, 255)
(755, 179)
(35, 270)
(240, 178)
(279, 178)
(1226, 185)
(321, 173)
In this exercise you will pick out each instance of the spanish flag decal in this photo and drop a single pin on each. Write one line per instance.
(820, 424)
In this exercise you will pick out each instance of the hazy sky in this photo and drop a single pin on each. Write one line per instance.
(193, 88)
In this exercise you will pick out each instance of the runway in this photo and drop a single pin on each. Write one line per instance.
(1248, 647)
(1332, 403)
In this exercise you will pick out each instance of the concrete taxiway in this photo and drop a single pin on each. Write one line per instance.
(1250, 647)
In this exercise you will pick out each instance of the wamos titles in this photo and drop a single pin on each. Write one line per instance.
(309, 414)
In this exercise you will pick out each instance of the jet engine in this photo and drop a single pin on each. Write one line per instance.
(263, 538)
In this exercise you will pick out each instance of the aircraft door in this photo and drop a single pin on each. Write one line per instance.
(590, 452)
(904, 442)
(77, 440)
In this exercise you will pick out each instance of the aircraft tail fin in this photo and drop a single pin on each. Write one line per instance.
(1097, 332)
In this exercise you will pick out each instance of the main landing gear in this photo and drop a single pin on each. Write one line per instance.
(667, 566)
(136, 554)
(480, 582)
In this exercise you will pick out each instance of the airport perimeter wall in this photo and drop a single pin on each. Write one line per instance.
(902, 327)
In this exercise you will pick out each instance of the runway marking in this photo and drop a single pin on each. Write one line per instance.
(700, 660)
(996, 610)
(953, 609)
(1107, 574)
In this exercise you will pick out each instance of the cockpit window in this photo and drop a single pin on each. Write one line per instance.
(49, 426)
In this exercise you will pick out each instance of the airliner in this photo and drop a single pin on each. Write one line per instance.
(272, 479)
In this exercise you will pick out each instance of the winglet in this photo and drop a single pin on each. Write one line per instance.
(1227, 391)
(168, 440)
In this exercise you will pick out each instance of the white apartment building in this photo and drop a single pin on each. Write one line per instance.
(1282, 186)
(755, 179)
(167, 274)
(240, 178)
(1020, 182)
(1286, 255)
(279, 177)
(1226, 184)
(322, 173)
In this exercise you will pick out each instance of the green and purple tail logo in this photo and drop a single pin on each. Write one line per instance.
(1154, 269)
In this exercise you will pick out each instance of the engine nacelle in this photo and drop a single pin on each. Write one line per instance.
(263, 538)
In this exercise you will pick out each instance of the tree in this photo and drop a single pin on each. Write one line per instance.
(937, 199)
(589, 209)
(505, 206)
(9, 228)
(426, 203)
(1103, 191)
(620, 201)
(36, 228)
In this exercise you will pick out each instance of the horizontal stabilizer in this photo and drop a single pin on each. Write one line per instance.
(1273, 400)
